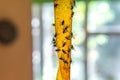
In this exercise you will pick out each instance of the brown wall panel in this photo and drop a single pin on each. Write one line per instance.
(15, 58)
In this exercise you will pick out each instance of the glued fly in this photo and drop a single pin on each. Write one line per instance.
(61, 58)
(71, 34)
(63, 22)
(71, 7)
(65, 29)
(69, 50)
(71, 60)
(55, 35)
(55, 5)
(53, 24)
(54, 42)
(57, 50)
(65, 61)
(64, 44)
(64, 51)
(73, 3)
(54, 45)
(68, 37)
(72, 47)
(72, 14)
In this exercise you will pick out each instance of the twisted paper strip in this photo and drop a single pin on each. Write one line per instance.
(63, 34)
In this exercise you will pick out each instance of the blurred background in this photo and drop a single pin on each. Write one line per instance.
(96, 29)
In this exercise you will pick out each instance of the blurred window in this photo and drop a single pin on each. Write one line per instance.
(96, 30)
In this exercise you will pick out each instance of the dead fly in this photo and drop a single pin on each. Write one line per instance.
(72, 14)
(72, 47)
(68, 37)
(73, 2)
(57, 50)
(72, 35)
(68, 55)
(54, 39)
(54, 45)
(65, 61)
(64, 44)
(55, 35)
(63, 22)
(61, 58)
(53, 24)
(55, 5)
(54, 42)
(65, 29)
(69, 50)
(71, 7)
(71, 60)
(64, 51)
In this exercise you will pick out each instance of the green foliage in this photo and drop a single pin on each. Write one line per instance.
(41, 1)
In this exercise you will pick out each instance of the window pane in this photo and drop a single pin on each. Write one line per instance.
(77, 66)
(103, 16)
(36, 38)
(104, 57)
(49, 56)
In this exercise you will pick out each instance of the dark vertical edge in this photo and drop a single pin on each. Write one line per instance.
(86, 41)
(41, 43)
